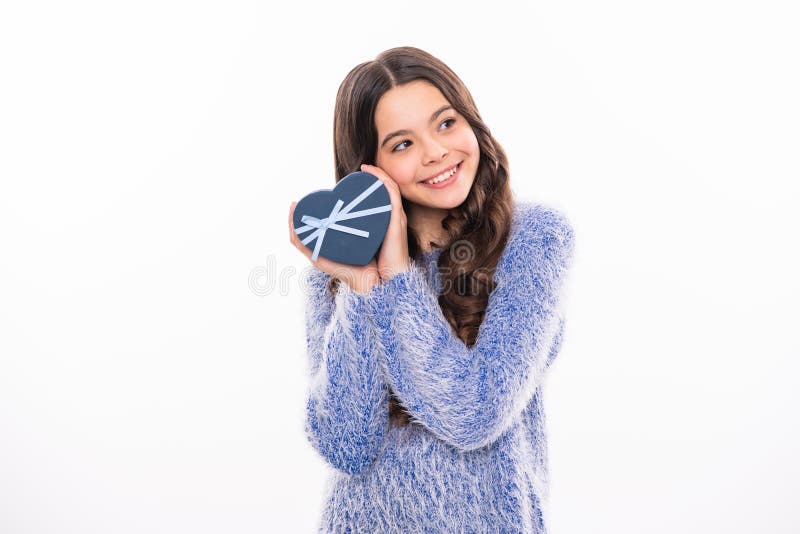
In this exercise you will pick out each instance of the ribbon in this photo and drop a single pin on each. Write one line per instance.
(338, 214)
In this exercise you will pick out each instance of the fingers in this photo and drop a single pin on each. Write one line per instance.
(292, 234)
(294, 239)
(380, 173)
(391, 185)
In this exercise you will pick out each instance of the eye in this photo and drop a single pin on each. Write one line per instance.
(451, 120)
(399, 144)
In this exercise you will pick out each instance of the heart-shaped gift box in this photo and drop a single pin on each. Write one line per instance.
(346, 224)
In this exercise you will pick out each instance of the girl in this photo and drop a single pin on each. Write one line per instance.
(427, 364)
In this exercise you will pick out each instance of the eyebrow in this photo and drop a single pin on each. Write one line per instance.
(406, 132)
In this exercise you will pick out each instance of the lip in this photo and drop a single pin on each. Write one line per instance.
(447, 182)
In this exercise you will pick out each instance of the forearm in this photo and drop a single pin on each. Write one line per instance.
(347, 408)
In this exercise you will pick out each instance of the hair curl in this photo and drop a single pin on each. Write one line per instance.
(478, 229)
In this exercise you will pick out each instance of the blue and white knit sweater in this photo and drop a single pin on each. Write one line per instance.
(474, 458)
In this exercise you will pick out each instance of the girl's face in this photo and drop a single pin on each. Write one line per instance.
(421, 137)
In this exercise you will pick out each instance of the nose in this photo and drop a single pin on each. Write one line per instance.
(434, 151)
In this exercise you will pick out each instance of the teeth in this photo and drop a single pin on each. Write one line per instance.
(443, 176)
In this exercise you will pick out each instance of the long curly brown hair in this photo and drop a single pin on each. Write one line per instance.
(478, 229)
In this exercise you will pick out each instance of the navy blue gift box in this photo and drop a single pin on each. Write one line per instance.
(345, 224)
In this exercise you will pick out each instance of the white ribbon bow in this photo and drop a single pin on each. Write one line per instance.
(330, 222)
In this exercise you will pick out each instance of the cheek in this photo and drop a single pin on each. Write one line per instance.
(402, 172)
(468, 142)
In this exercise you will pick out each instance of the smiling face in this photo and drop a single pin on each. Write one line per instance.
(421, 137)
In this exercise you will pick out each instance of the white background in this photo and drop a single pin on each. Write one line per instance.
(152, 366)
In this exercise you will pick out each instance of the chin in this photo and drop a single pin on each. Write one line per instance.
(446, 202)
(454, 203)
(456, 198)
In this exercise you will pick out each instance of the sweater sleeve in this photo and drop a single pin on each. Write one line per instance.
(469, 396)
(347, 408)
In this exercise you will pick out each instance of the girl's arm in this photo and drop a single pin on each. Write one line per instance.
(347, 408)
(468, 396)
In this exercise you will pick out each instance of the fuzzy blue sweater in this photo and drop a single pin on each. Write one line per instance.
(474, 458)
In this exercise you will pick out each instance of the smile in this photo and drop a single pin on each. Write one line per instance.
(444, 179)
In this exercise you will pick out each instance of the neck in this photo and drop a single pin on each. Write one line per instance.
(427, 223)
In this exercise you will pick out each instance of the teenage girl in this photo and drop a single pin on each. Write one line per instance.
(427, 363)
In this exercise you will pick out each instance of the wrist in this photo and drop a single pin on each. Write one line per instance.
(388, 273)
(364, 284)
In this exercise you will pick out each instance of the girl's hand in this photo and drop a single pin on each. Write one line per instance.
(393, 254)
(359, 278)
